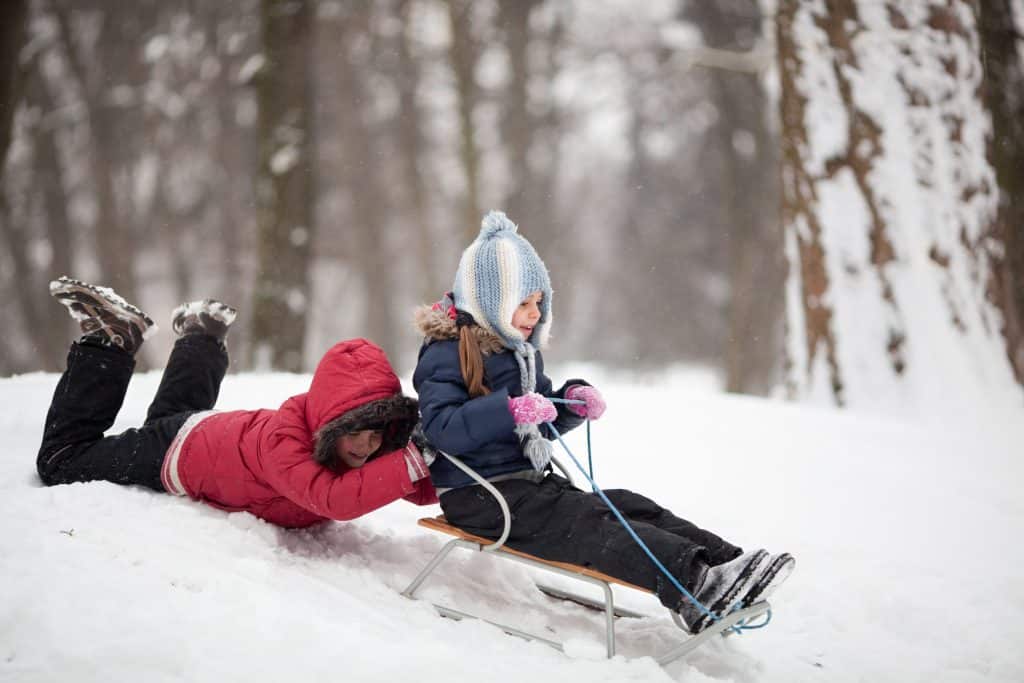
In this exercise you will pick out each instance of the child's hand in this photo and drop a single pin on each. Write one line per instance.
(531, 409)
(415, 463)
(593, 403)
(419, 440)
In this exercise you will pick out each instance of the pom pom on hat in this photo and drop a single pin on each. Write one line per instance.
(495, 222)
(496, 273)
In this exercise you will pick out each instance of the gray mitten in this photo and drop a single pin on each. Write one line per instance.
(428, 452)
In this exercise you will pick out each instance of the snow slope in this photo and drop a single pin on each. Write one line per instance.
(907, 536)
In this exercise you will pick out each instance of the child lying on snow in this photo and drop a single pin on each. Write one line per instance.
(484, 396)
(337, 452)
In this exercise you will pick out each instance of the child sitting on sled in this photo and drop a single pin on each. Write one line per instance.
(338, 451)
(484, 397)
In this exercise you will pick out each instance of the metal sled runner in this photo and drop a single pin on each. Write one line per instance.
(498, 550)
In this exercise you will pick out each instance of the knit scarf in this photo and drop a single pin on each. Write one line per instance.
(536, 447)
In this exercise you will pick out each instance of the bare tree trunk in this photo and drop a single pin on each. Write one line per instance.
(10, 344)
(13, 19)
(286, 186)
(635, 240)
(372, 259)
(235, 166)
(517, 126)
(414, 157)
(16, 238)
(1001, 43)
(114, 241)
(543, 168)
(749, 206)
(529, 196)
(45, 323)
(53, 334)
(463, 57)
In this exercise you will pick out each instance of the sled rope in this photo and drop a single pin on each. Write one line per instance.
(590, 460)
(739, 627)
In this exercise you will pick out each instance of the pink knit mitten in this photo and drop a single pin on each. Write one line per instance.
(531, 409)
(593, 403)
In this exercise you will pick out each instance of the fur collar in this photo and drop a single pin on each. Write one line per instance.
(437, 326)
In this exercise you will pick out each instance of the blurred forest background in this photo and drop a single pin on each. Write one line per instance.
(321, 165)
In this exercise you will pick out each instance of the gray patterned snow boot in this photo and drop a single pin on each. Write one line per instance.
(721, 588)
(103, 314)
(776, 571)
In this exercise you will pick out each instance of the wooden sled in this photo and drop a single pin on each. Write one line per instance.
(498, 550)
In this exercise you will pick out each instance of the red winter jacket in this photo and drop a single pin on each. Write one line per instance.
(261, 461)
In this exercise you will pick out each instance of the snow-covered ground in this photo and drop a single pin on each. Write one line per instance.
(908, 536)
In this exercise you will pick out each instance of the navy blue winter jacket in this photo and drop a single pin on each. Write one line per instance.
(480, 430)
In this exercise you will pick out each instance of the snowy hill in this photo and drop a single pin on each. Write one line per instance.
(907, 536)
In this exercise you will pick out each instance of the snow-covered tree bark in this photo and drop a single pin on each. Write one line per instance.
(286, 186)
(888, 201)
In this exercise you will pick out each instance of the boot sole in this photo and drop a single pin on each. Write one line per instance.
(100, 303)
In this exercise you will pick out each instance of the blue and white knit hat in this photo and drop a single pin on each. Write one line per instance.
(496, 273)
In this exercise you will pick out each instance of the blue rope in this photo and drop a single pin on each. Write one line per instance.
(590, 460)
(739, 627)
(750, 627)
(628, 528)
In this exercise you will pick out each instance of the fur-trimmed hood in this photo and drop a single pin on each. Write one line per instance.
(355, 388)
(435, 325)
(396, 415)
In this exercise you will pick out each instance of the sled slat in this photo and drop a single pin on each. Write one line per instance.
(467, 541)
(439, 523)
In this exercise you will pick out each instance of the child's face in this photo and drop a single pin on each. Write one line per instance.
(355, 449)
(527, 314)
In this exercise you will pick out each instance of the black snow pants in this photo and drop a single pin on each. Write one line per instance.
(90, 394)
(556, 521)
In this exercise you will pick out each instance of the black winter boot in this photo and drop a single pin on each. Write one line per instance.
(721, 588)
(102, 314)
(207, 316)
